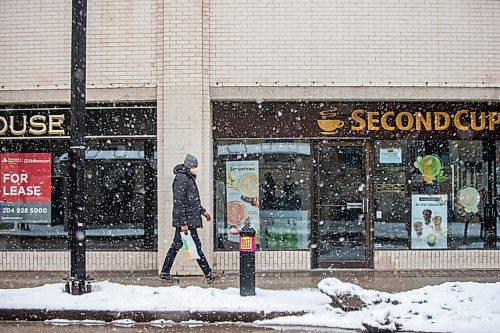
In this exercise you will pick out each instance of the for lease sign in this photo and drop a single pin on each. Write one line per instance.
(25, 187)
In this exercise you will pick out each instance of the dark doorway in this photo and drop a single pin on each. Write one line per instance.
(342, 192)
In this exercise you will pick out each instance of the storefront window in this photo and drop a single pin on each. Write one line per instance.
(266, 184)
(390, 194)
(469, 180)
(431, 192)
(120, 168)
(449, 182)
(117, 184)
(445, 205)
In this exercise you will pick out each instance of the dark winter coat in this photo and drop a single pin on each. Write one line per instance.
(187, 203)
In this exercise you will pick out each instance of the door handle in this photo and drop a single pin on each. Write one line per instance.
(365, 205)
(452, 183)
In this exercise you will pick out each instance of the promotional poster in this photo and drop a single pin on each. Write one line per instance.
(25, 187)
(429, 221)
(242, 195)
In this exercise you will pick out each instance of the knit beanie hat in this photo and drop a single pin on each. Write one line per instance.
(190, 161)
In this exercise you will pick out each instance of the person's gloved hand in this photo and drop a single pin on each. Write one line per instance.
(185, 228)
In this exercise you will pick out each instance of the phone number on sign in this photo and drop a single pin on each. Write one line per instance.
(24, 210)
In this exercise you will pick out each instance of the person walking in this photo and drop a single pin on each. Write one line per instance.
(186, 216)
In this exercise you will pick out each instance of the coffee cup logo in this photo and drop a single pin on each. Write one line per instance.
(328, 123)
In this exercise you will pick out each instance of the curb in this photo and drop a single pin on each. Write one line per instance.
(140, 316)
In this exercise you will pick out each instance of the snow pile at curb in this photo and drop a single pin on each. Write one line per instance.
(110, 296)
(338, 288)
(449, 307)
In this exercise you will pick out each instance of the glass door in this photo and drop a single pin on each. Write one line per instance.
(342, 205)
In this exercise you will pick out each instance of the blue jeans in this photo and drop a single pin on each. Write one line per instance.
(177, 245)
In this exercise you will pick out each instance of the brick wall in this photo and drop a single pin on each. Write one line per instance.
(446, 43)
(418, 260)
(265, 261)
(184, 117)
(185, 48)
(404, 260)
(60, 261)
(263, 43)
(35, 39)
(396, 260)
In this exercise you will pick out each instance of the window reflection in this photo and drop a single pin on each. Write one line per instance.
(284, 199)
(468, 183)
(120, 177)
(390, 204)
(460, 175)
(342, 203)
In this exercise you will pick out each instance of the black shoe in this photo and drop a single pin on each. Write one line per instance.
(167, 278)
(214, 277)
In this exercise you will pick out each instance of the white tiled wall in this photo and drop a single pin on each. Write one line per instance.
(452, 259)
(260, 42)
(60, 261)
(184, 49)
(35, 39)
(446, 43)
(184, 118)
(265, 261)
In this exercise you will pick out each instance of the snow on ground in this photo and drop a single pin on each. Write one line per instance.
(449, 307)
(117, 297)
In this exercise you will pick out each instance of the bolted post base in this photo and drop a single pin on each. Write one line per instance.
(75, 286)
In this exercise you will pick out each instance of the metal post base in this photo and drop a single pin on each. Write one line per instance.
(75, 286)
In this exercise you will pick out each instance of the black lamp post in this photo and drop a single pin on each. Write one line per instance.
(77, 283)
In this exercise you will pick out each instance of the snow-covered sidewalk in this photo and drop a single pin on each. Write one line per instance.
(449, 307)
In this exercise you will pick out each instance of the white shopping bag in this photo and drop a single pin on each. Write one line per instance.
(189, 246)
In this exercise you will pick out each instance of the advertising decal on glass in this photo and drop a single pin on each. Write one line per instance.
(429, 221)
(242, 195)
(431, 168)
(25, 193)
(468, 200)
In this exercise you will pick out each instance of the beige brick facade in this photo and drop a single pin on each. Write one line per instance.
(60, 261)
(184, 122)
(368, 43)
(35, 39)
(183, 53)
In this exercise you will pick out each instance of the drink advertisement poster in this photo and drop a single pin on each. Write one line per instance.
(429, 221)
(25, 188)
(242, 197)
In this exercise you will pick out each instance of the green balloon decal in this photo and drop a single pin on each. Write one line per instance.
(431, 168)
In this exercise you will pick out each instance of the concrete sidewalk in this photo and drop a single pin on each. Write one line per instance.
(368, 279)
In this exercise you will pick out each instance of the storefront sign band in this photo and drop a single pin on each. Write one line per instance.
(357, 120)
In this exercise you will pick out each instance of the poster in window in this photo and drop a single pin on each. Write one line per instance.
(390, 156)
(429, 221)
(25, 188)
(242, 195)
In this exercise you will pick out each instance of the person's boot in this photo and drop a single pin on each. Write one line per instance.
(214, 277)
(167, 278)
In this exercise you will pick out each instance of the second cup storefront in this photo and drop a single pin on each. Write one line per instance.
(342, 180)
